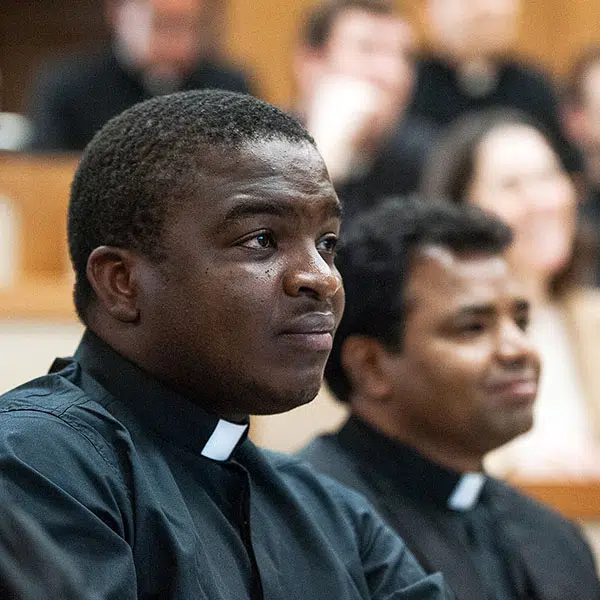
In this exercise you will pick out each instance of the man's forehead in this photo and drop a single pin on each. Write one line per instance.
(272, 161)
(355, 18)
(460, 276)
(271, 176)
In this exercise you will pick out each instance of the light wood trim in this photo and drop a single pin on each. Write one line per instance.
(574, 500)
(38, 298)
(38, 187)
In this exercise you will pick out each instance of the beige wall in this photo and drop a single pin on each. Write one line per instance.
(28, 347)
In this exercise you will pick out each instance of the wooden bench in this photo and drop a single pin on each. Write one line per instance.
(36, 188)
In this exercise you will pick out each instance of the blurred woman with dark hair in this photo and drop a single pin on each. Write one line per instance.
(504, 162)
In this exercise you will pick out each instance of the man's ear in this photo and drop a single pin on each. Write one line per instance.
(362, 360)
(575, 124)
(111, 272)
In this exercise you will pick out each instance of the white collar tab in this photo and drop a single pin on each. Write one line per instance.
(224, 440)
(467, 491)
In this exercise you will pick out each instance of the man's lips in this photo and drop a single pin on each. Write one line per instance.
(313, 322)
(517, 389)
(311, 331)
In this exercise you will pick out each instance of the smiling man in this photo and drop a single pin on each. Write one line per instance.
(202, 229)
(433, 358)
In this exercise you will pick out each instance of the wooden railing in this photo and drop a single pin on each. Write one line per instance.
(36, 190)
(575, 500)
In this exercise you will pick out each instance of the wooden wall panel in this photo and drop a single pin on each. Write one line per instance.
(262, 35)
(34, 30)
(554, 32)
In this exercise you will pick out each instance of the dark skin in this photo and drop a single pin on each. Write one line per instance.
(240, 316)
(466, 377)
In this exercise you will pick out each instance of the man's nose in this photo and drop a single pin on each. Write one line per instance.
(514, 345)
(310, 274)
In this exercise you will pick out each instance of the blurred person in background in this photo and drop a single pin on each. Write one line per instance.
(582, 119)
(503, 162)
(354, 71)
(158, 47)
(433, 359)
(469, 68)
(15, 129)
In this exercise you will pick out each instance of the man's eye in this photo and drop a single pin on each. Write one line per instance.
(471, 328)
(260, 241)
(328, 244)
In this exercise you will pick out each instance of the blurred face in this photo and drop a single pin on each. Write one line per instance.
(242, 312)
(591, 121)
(519, 178)
(466, 376)
(160, 37)
(370, 48)
(473, 29)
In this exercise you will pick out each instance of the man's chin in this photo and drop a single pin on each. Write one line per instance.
(519, 426)
(284, 401)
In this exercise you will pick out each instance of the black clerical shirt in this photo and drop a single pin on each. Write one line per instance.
(151, 497)
(489, 541)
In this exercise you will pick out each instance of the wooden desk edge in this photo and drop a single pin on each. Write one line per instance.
(38, 299)
(573, 499)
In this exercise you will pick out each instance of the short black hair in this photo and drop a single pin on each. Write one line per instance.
(144, 162)
(321, 18)
(375, 262)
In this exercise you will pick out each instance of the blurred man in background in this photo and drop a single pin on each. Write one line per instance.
(434, 362)
(158, 47)
(355, 71)
(469, 68)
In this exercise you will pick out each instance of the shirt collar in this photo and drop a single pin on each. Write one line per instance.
(419, 477)
(170, 415)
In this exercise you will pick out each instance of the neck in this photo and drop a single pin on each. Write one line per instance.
(477, 76)
(439, 451)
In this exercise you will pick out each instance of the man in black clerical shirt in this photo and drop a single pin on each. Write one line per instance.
(202, 229)
(433, 358)
(157, 47)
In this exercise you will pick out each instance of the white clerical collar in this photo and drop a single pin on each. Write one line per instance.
(223, 440)
(467, 491)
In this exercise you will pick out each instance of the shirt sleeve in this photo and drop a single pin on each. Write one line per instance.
(391, 571)
(62, 478)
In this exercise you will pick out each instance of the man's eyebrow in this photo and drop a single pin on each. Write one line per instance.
(476, 310)
(333, 209)
(251, 207)
(485, 310)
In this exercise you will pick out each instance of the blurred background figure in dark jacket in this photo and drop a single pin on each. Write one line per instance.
(471, 66)
(158, 47)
